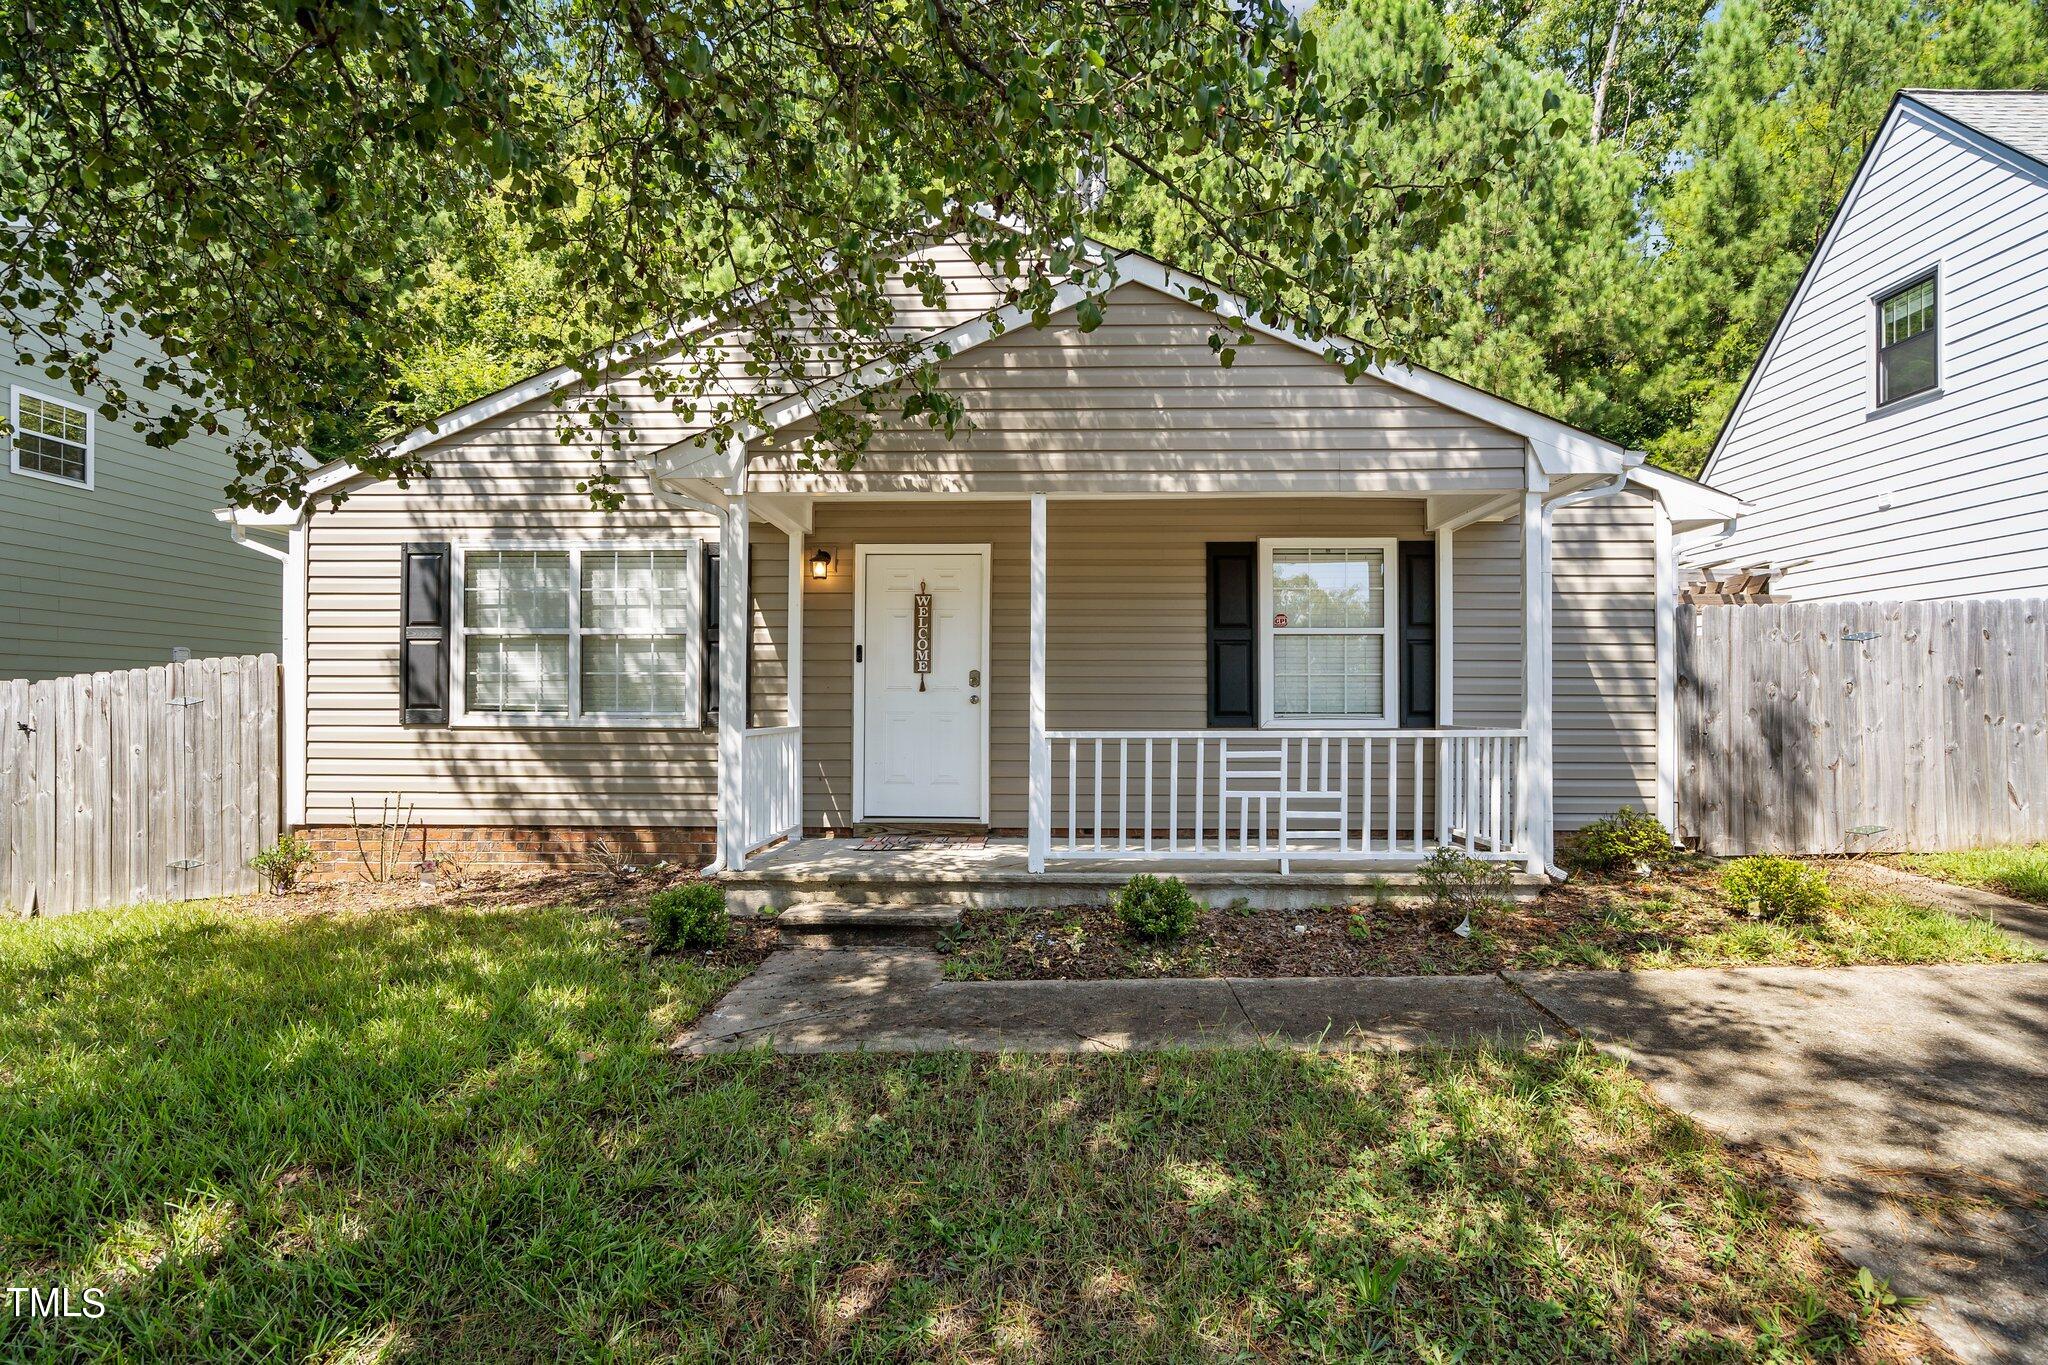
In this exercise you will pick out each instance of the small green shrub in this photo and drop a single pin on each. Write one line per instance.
(1620, 840)
(1776, 888)
(1459, 884)
(687, 916)
(1156, 907)
(285, 862)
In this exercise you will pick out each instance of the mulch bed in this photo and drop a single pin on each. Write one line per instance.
(1399, 938)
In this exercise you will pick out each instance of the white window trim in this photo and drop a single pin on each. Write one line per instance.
(459, 714)
(1390, 550)
(14, 434)
(1874, 386)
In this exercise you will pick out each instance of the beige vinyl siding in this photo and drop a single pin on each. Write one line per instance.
(114, 576)
(1126, 628)
(828, 642)
(1488, 621)
(506, 480)
(1604, 670)
(1143, 398)
(1604, 648)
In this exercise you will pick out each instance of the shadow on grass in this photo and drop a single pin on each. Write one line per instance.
(441, 1133)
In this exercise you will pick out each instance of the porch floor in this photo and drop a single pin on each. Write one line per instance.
(999, 874)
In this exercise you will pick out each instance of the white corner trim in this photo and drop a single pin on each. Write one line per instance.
(1667, 671)
(15, 394)
(296, 663)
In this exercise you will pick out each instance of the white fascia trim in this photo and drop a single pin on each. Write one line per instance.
(279, 518)
(1692, 504)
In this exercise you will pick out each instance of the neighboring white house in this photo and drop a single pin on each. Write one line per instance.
(1892, 441)
(110, 555)
(1144, 610)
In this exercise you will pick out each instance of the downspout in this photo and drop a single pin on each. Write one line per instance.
(240, 535)
(1631, 459)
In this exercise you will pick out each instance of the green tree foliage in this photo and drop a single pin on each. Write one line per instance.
(345, 220)
(267, 188)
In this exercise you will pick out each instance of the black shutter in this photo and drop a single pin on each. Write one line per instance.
(710, 636)
(711, 641)
(1233, 634)
(1418, 634)
(423, 633)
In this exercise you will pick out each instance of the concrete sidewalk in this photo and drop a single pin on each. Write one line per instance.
(896, 1000)
(1908, 1107)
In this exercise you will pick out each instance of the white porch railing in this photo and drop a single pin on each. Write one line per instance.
(1348, 795)
(772, 793)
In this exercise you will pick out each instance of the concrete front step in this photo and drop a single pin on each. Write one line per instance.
(833, 924)
(773, 889)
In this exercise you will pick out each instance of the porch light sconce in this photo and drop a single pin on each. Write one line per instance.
(821, 564)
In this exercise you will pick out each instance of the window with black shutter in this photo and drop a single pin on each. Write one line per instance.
(1233, 634)
(423, 633)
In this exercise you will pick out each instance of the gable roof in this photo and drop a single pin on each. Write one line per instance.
(2017, 119)
(2021, 114)
(1560, 448)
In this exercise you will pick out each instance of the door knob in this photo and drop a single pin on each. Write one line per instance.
(974, 701)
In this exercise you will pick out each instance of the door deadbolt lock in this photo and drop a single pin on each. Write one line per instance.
(974, 677)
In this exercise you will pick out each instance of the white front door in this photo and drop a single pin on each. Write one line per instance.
(923, 742)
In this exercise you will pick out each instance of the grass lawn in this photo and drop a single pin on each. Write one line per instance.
(2020, 871)
(1676, 918)
(454, 1133)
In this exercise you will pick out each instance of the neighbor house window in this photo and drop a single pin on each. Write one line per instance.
(1329, 653)
(52, 438)
(579, 634)
(1906, 331)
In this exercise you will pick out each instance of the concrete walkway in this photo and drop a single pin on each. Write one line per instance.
(1907, 1105)
(896, 1000)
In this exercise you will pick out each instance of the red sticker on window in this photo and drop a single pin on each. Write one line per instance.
(1279, 620)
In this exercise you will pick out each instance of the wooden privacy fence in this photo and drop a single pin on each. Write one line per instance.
(153, 784)
(1835, 727)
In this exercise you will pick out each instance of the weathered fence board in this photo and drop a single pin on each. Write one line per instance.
(153, 784)
(1832, 727)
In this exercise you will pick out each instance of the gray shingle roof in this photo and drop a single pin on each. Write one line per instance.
(2017, 118)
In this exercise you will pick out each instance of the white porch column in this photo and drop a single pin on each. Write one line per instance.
(1446, 651)
(1040, 804)
(795, 660)
(734, 641)
(1536, 674)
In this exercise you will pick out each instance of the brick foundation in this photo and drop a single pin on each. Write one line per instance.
(508, 847)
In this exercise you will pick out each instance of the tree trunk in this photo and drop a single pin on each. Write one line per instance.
(1605, 80)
